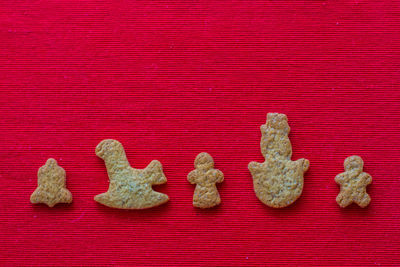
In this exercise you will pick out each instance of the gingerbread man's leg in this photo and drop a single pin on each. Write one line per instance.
(363, 200)
(343, 200)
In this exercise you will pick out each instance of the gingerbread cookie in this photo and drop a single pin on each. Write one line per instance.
(353, 183)
(205, 177)
(51, 185)
(278, 181)
(129, 188)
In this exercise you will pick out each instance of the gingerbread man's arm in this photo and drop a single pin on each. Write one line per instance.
(367, 178)
(219, 176)
(339, 179)
(192, 177)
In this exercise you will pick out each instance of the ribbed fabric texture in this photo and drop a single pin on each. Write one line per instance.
(171, 79)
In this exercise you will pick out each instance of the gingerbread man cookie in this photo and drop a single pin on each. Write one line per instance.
(129, 188)
(205, 177)
(353, 183)
(278, 181)
(51, 185)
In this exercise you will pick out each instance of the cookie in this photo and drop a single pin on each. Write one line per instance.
(205, 177)
(51, 185)
(278, 181)
(129, 188)
(353, 183)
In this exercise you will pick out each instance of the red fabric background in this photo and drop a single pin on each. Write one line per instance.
(170, 79)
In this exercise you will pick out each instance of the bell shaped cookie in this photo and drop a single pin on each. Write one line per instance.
(51, 185)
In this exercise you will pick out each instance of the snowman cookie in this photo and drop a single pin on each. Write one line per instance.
(278, 181)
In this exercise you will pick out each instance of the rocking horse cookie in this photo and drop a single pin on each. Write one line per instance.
(278, 181)
(205, 177)
(353, 183)
(129, 188)
(51, 185)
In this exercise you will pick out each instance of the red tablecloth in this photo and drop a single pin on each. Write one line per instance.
(170, 79)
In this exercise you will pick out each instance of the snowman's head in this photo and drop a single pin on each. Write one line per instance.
(353, 163)
(204, 161)
(278, 122)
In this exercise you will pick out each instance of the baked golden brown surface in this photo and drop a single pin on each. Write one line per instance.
(51, 185)
(205, 177)
(278, 181)
(129, 188)
(353, 183)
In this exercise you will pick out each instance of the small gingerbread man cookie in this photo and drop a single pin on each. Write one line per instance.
(51, 185)
(205, 177)
(353, 183)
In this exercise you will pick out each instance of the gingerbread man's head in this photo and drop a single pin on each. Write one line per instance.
(353, 163)
(204, 161)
